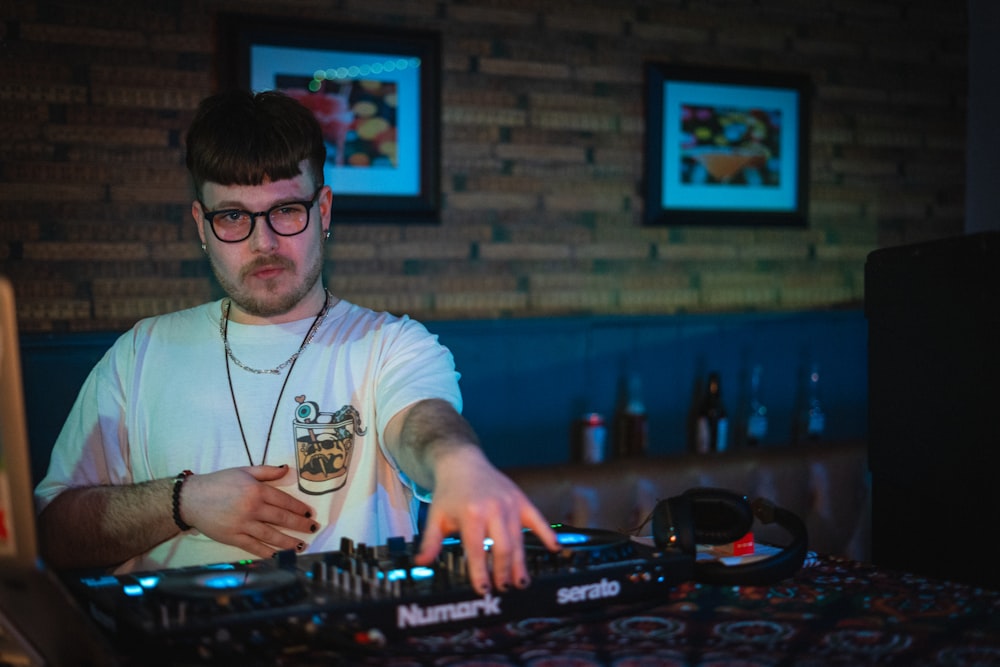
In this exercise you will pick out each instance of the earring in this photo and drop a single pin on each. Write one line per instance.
(204, 248)
(328, 235)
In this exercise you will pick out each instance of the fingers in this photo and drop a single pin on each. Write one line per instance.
(264, 473)
(507, 553)
(239, 507)
(473, 535)
(540, 526)
(430, 541)
(276, 512)
(503, 564)
(282, 509)
(509, 562)
(264, 541)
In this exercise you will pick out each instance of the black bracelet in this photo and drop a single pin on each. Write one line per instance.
(178, 483)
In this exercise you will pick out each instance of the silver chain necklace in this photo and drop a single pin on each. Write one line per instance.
(224, 328)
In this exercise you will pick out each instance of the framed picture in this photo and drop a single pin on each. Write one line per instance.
(725, 147)
(376, 93)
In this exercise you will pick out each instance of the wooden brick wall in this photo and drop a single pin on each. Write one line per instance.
(542, 120)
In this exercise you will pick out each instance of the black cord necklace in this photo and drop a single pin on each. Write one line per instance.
(224, 330)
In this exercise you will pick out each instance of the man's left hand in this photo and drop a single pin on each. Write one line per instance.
(477, 501)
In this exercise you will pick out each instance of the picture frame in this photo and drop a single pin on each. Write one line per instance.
(377, 94)
(725, 146)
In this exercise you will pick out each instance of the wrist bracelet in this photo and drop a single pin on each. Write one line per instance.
(178, 483)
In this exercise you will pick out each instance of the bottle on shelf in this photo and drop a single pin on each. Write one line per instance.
(711, 424)
(631, 430)
(756, 426)
(814, 418)
(588, 439)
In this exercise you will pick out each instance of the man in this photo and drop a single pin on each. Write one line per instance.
(279, 417)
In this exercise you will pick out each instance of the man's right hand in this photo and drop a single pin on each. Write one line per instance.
(106, 525)
(235, 507)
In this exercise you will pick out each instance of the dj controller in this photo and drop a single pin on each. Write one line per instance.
(362, 595)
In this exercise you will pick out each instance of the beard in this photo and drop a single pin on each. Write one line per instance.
(271, 302)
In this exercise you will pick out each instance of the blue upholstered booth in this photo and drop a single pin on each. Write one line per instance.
(525, 380)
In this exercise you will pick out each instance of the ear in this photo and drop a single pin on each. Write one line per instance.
(325, 208)
(196, 214)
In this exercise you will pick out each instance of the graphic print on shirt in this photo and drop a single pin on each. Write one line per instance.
(324, 442)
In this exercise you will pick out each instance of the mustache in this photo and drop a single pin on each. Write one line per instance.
(265, 263)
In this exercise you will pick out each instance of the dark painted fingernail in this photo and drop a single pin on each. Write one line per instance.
(308, 514)
(313, 528)
(300, 546)
(523, 582)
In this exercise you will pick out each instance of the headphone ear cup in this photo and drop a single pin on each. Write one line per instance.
(673, 525)
(701, 516)
(719, 516)
(771, 570)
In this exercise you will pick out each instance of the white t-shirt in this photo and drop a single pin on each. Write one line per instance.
(159, 402)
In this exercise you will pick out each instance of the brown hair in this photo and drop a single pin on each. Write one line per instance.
(242, 138)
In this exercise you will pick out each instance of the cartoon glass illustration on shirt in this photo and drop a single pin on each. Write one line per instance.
(324, 442)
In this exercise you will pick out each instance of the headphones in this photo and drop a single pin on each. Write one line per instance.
(717, 516)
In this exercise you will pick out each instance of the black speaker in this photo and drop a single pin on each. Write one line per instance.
(718, 516)
(933, 312)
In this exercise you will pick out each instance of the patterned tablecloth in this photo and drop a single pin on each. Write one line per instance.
(832, 612)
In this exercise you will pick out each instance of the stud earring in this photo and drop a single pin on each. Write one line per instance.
(204, 248)
(328, 235)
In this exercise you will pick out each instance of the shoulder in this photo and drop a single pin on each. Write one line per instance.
(174, 326)
(351, 315)
(198, 315)
(398, 336)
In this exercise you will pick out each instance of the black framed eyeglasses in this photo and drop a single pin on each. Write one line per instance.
(232, 225)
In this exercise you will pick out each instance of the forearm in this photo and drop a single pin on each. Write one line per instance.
(103, 526)
(430, 431)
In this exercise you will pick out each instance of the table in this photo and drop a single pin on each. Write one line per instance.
(832, 612)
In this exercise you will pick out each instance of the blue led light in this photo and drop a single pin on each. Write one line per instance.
(99, 582)
(456, 541)
(572, 538)
(132, 590)
(149, 581)
(399, 574)
(223, 581)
